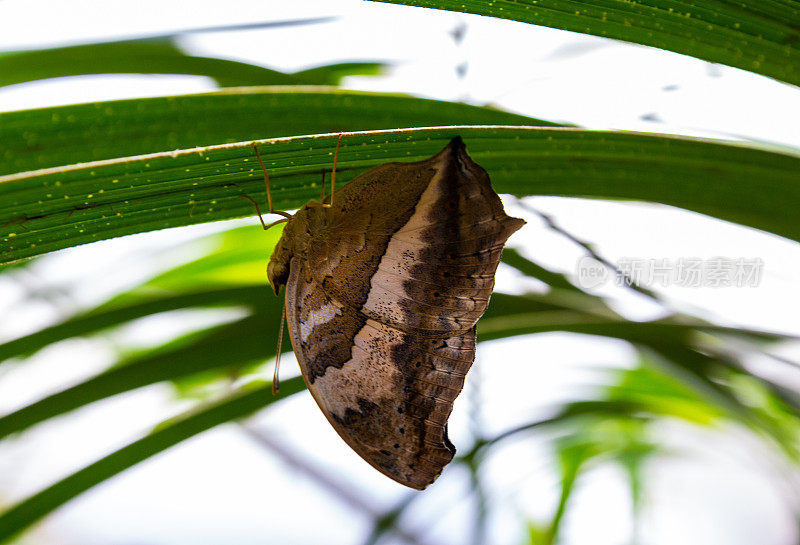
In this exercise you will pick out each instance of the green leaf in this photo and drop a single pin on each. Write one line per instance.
(240, 259)
(225, 347)
(663, 394)
(247, 401)
(104, 318)
(672, 342)
(51, 209)
(527, 267)
(160, 55)
(499, 324)
(762, 36)
(239, 252)
(230, 346)
(538, 534)
(587, 443)
(231, 275)
(80, 133)
(332, 74)
(563, 295)
(253, 338)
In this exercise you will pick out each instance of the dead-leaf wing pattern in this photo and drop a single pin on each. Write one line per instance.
(382, 310)
(391, 397)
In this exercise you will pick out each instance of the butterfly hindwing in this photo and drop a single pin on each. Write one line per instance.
(388, 393)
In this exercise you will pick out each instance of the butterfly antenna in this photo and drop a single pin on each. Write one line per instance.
(275, 379)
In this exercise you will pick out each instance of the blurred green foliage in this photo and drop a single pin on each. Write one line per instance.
(686, 373)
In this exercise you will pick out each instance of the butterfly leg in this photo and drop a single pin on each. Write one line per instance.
(276, 373)
(286, 215)
(322, 202)
(333, 172)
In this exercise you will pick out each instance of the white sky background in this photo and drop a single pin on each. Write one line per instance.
(719, 495)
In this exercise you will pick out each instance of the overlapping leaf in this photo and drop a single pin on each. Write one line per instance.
(159, 56)
(68, 205)
(50, 137)
(55, 208)
(252, 339)
(755, 35)
(241, 404)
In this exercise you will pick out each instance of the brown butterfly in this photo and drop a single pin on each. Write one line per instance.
(385, 282)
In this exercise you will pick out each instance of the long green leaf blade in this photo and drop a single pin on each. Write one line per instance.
(25, 513)
(49, 137)
(756, 35)
(96, 321)
(158, 56)
(46, 210)
(230, 346)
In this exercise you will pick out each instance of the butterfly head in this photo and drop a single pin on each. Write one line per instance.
(278, 266)
(277, 273)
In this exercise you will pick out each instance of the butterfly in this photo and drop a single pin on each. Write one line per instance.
(385, 281)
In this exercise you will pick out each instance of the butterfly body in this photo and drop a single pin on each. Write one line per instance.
(383, 291)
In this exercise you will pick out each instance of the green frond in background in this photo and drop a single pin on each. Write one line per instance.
(686, 388)
(164, 55)
(161, 56)
(80, 133)
(761, 36)
(75, 174)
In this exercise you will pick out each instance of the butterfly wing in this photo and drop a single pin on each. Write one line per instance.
(382, 306)
(386, 392)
